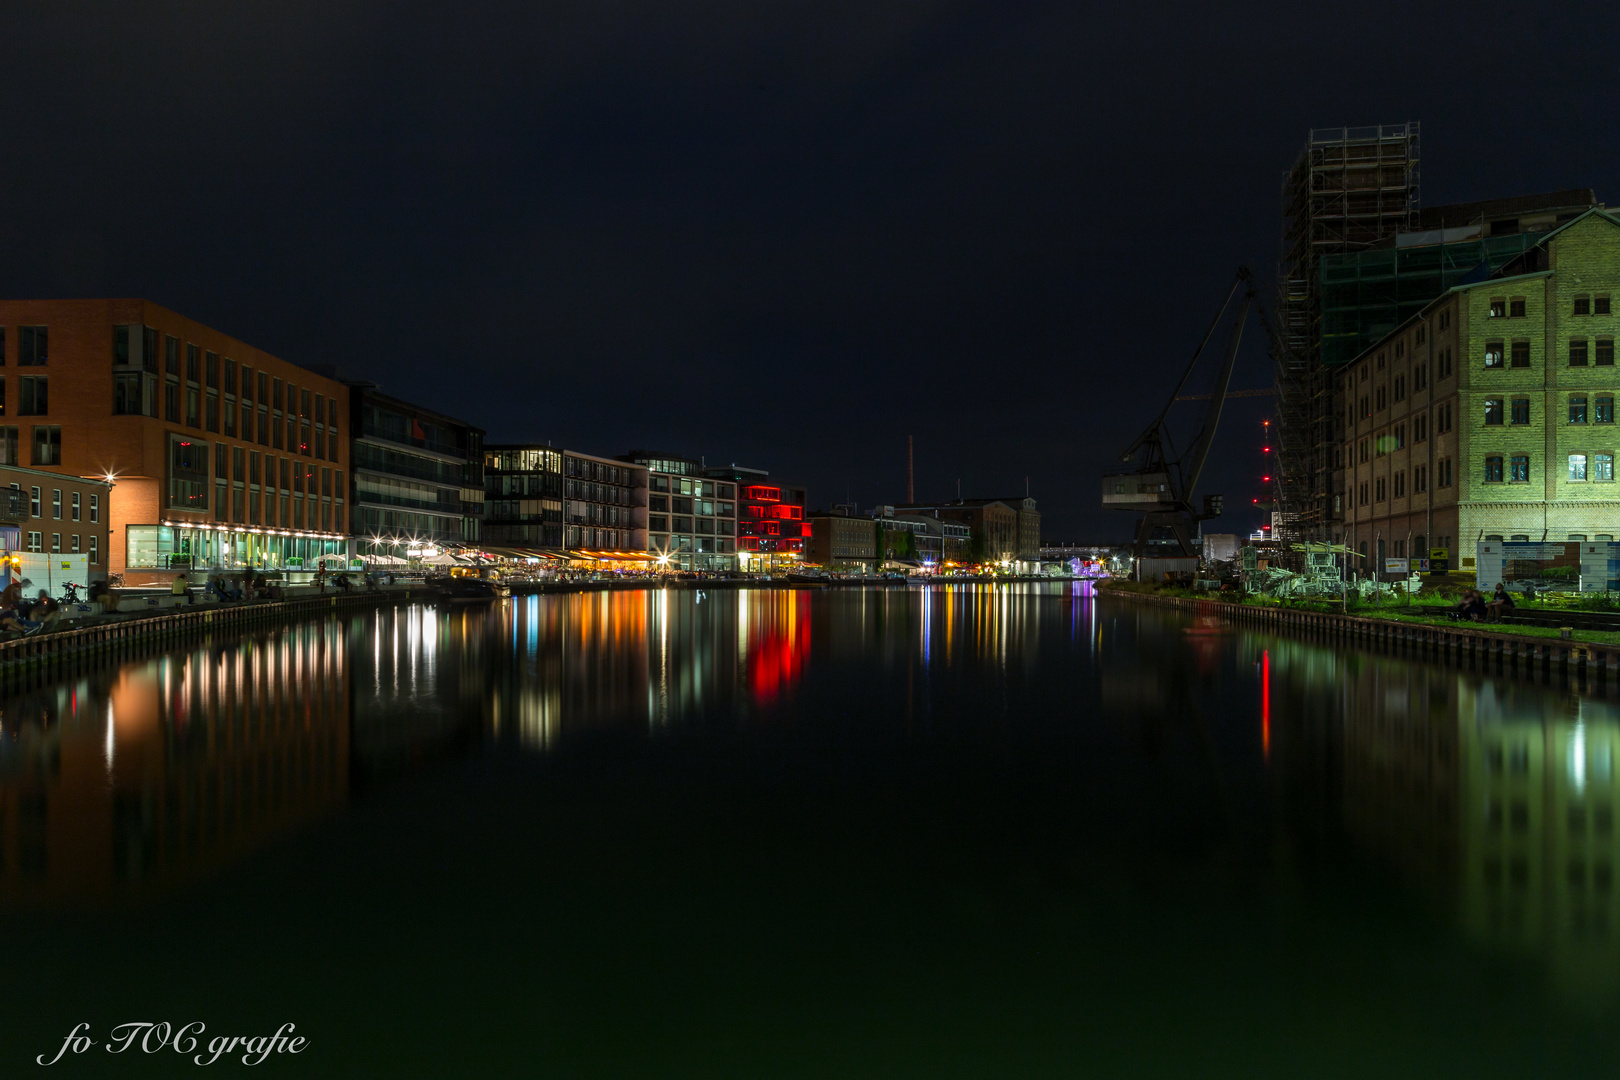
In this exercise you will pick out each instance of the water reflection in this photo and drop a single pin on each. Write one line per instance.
(153, 772)
(1495, 799)
(1492, 799)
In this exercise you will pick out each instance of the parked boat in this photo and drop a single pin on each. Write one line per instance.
(469, 590)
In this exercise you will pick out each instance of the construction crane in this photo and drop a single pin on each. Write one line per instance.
(1162, 486)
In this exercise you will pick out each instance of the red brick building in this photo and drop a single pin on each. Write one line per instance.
(220, 454)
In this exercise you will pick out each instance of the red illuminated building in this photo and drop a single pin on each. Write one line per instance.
(770, 516)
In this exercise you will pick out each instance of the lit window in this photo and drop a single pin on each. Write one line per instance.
(1493, 354)
(1493, 470)
(1520, 464)
(1603, 467)
(1577, 409)
(1577, 466)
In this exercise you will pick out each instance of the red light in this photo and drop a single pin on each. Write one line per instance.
(1267, 449)
(1265, 478)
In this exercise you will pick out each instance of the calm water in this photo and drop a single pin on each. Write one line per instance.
(972, 832)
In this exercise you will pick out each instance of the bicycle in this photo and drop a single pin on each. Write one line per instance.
(70, 594)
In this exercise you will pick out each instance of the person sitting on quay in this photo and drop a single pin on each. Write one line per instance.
(1501, 604)
(216, 588)
(1472, 606)
(180, 587)
(44, 608)
(12, 616)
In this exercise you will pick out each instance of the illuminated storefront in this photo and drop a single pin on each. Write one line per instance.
(184, 546)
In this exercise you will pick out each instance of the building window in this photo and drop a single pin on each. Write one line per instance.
(1498, 308)
(95, 550)
(56, 504)
(1420, 479)
(1400, 388)
(171, 355)
(192, 354)
(34, 399)
(1379, 488)
(95, 507)
(1521, 411)
(1600, 305)
(1520, 466)
(1577, 408)
(34, 541)
(1577, 466)
(1445, 318)
(47, 444)
(74, 508)
(193, 412)
(1493, 410)
(1521, 354)
(1420, 428)
(1577, 352)
(1583, 305)
(211, 366)
(32, 346)
(127, 394)
(33, 502)
(1605, 352)
(1604, 409)
(56, 543)
(171, 401)
(188, 473)
(1493, 469)
(1602, 466)
(1400, 485)
(1444, 470)
(1420, 376)
(1493, 354)
(1516, 307)
(74, 543)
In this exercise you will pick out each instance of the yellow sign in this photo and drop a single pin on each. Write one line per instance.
(1439, 553)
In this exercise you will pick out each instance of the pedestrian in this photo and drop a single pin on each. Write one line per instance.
(1501, 604)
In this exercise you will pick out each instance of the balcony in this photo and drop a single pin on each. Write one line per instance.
(13, 506)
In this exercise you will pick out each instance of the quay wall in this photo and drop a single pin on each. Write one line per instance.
(1585, 665)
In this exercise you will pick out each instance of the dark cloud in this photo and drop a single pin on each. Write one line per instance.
(785, 234)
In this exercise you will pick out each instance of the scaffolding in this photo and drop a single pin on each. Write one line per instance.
(1350, 188)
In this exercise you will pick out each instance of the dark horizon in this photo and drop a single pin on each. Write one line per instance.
(784, 237)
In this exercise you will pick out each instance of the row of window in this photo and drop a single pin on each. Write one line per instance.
(1382, 488)
(706, 526)
(1517, 410)
(679, 504)
(46, 440)
(1498, 468)
(36, 504)
(36, 542)
(33, 345)
(1583, 352)
(1512, 307)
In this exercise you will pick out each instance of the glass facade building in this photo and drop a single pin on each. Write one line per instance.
(418, 476)
(691, 519)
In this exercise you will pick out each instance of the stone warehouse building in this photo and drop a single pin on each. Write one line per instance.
(1489, 414)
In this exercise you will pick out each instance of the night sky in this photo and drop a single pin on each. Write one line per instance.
(784, 235)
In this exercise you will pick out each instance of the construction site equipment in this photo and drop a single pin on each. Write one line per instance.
(1163, 484)
(1350, 188)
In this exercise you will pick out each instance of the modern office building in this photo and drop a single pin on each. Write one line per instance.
(220, 454)
(691, 520)
(523, 498)
(1489, 413)
(549, 503)
(418, 476)
(604, 504)
(840, 539)
(770, 516)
